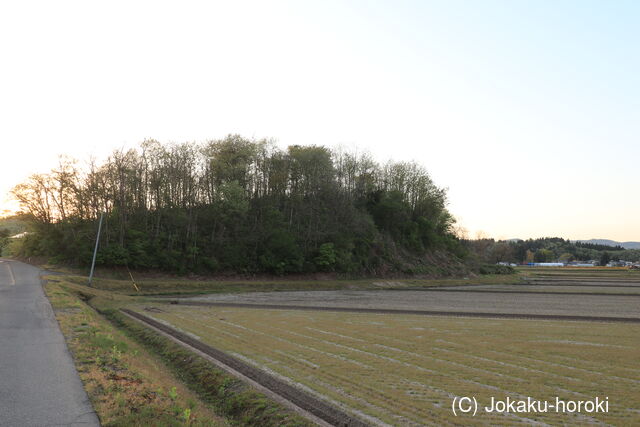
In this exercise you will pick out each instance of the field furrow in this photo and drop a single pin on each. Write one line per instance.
(405, 370)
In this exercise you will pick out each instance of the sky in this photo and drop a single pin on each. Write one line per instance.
(527, 111)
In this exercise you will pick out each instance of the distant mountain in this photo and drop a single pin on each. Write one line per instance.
(626, 245)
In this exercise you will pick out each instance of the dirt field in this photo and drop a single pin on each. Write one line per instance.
(401, 369)
(405, 370)
(596, 288)
(489, 302)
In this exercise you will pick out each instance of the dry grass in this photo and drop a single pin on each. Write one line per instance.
(152, 286)
(126, 385)
(405, 370)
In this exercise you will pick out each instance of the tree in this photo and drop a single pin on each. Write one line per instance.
(566, 257)
(543, 255)
(327, 257)
(502, 251)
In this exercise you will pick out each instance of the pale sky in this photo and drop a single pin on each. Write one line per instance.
(528, 111)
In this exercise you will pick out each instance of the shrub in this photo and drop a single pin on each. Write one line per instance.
(496, 269)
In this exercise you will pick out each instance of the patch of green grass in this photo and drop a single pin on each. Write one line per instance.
(106, 342)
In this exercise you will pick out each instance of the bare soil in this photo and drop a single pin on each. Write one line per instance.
(533, 304)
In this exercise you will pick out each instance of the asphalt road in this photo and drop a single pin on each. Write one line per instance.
(39, 385)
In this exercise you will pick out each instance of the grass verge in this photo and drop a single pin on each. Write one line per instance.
(126, 384)
(225, 394)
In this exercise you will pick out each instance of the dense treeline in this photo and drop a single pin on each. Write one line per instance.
(550, 249)
(598, 247)
(238, 205)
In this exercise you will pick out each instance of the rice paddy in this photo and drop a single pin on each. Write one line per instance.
(406, 370)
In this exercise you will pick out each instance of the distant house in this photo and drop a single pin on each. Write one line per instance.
(620, 263)
(583, 264)
(547, 264)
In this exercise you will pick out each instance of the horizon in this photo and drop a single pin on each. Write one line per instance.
(526, 112)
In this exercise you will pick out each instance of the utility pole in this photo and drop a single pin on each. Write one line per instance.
(95, 250)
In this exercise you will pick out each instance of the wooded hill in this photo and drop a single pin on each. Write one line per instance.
(241, 206)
